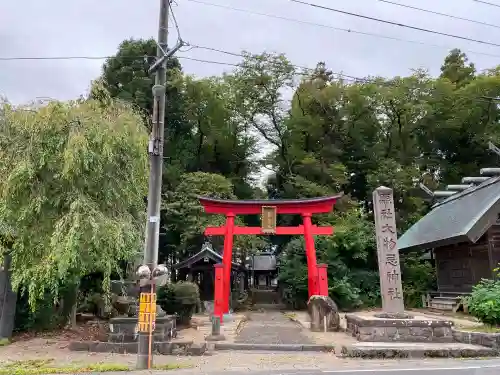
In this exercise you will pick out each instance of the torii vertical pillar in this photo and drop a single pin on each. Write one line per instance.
(322, 280)
(228, 259)
(219, 299)
(312, 269)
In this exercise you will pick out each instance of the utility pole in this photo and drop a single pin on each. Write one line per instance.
(150, 267)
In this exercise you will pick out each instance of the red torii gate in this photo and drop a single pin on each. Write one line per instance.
(317, 281)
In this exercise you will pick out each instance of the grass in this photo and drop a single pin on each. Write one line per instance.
(46, 366)
(4, 342)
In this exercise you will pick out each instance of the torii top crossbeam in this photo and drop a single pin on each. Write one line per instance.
(283, 206)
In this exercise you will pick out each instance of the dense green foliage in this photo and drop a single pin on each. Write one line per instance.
(349, 254)
(75, 173)
(74, 178)
(484, 302)
(181, 298)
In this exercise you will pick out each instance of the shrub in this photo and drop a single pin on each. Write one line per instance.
(43, 318)
(419, 276)
(181, 299)
(484, 302)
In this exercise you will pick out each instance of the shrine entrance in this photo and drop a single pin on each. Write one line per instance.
(268, 209)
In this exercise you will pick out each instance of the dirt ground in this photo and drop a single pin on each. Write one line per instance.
(54, 346)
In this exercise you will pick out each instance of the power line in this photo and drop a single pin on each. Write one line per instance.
(305, 71)
(20, 58)
(395, 23)
(177, 28)
(487, 3)
(350, 31)
(439, 13)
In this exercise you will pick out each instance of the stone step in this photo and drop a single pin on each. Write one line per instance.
(416, 350)
(275, 347)
(268, 306)
(446, 298)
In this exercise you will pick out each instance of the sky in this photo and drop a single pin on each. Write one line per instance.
(34, 28)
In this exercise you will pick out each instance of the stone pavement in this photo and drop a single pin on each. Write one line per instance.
(271, 327)
(203, 323)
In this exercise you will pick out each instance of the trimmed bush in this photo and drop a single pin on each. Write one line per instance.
(181, 299)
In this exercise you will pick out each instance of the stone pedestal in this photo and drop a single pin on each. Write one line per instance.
(322, 310)
(216, 334)
(124, 330)
(419, 329)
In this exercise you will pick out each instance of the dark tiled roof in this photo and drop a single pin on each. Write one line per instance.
(465, 216)
(205, 252)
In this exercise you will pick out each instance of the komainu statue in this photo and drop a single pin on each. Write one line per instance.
(323, 310)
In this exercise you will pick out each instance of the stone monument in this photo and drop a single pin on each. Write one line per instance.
(393, 323)
(391, 288)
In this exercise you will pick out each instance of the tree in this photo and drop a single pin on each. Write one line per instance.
(186, 222)
(260, 83)
(221, 143)
(457, 68)
(202, 134)
(74, 178)
(126, 76)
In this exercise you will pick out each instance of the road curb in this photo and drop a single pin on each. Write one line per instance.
(275, 347)
(379, 353)
(357, 352)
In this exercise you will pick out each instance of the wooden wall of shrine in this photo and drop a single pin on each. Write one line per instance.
(461, 266)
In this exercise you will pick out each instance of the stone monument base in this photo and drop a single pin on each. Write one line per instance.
(375, 327)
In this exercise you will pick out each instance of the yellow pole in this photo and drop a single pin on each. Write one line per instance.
(151, 312)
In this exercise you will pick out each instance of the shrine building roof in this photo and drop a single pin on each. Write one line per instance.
(462, 217)
(206, 252)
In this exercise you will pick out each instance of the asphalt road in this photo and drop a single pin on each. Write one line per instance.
(362, 367)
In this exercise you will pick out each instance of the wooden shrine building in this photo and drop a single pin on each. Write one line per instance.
(463, 231)
(264, 271)
(199, 269)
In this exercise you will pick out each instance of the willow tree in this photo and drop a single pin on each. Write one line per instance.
(74, 177)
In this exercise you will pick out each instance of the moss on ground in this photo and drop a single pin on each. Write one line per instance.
(47, 366)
